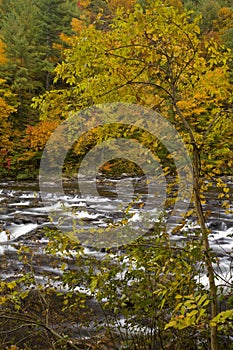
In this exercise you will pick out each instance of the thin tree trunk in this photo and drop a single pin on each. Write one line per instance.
(208, 259)
(204, 230)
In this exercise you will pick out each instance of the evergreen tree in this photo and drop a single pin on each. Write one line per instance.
(54, 17)
(30, 31)
(18, 34)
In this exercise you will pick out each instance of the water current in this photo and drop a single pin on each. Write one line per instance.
(23, 217)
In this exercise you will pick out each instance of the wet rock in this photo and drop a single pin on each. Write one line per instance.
(40, 220)
(217, 225)
(18, 221)
(24, 219)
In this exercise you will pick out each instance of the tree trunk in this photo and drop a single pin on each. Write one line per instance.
(201, 218)
(208, 259)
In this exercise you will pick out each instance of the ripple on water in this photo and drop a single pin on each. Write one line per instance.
(14, 231)
(20, 200)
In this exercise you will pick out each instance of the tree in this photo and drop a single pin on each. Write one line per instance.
(8, 106)
(22, 70)
(2, 53)
(30, 31)
(54, 17)
(155, 57)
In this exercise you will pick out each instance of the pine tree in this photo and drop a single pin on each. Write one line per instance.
(30, 31)
(22, 70)
(54, 17)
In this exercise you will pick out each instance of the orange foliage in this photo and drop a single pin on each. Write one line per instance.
(176, 3)
(126, 4)
(36, 138)
(225, 13)
(77, 25)
(6, 130)
(107, 167)
(224, 21)
(83, 3)
(212, 35)
(3, 58)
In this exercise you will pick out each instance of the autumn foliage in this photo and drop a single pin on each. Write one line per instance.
(31, 65)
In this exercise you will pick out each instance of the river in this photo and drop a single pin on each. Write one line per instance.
(23, 217)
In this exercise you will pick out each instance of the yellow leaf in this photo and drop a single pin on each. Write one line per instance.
(11, 285)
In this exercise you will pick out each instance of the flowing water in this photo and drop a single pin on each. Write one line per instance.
(23, 217)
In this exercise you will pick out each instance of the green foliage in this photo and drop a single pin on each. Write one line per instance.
(22, 69)
(224, 321)
(157, 56)
(32, 30)
(151, 284)
(53, 18)
(30, 47)
(171, 71)
(31, 33)
(191, 312)
(157, 59)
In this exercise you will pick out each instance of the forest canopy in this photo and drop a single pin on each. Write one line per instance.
(66, 55)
